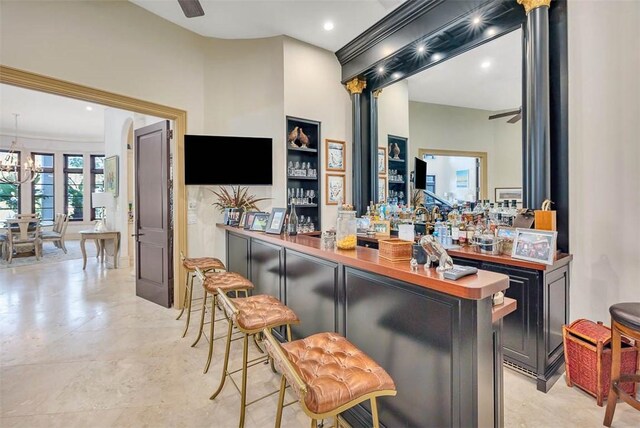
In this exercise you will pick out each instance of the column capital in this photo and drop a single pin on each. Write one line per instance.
(529, 5)
(356, 85)
(377, 93)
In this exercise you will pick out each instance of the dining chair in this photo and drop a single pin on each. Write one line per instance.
(24, 232)
(57, 235)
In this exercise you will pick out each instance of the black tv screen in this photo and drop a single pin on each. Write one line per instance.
(420, 175)
(227, 160)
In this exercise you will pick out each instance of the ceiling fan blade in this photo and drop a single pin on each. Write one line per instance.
(515, 118)
(505, 114)
(191, 8)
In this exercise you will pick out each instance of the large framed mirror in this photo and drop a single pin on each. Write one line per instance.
(418, 76)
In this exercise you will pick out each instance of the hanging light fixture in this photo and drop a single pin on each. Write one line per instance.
(10, 170)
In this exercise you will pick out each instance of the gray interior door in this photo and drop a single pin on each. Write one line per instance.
(154, 270)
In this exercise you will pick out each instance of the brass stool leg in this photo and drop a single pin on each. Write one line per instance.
(314, 423)
(243, 394)
(223, 378)
(184, 300)
(188, 303)
(214, 299)
(374, 413)
(336, 422)
(615, 374)
(283, 387)
(204, 307)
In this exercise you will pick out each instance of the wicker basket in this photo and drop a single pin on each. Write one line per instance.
(587, 357)
(395, 249)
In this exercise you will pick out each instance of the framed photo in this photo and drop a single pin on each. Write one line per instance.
(336, 154)
(382, 160)
(382, 228)
(335, 189)
(233, 216)
(260, 221)
(111, 175)
(508, 194)
(248, 221)
(243, 219)
(382, 189)
(462, 178)
(276, 221)
(535, 245)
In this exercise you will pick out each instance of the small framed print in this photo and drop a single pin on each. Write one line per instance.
(111, 175)
(382, 228)
(243, 220)
(382, 160)
(335, 189)
(382, 189)
(535, 245)
(260, 221)
(234, 215)
(336, 154)
(276, 221)
(248, 221)
(503, 194)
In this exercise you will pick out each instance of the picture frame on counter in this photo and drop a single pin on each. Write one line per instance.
(382, 228)
(276, 221)
(336, 154)
(243, 220)
(535, 245)
(249, 219)
(503, 194)
(233, 216)
(334, 188)
(259, 223)
(382, 160)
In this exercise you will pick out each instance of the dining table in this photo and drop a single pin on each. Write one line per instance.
(13, 223)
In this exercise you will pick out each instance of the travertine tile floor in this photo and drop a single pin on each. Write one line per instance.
(79, 349)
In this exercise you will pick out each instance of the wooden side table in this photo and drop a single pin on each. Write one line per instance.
(100, 238)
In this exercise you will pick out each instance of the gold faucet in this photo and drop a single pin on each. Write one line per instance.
(435, 211)
(421, 210)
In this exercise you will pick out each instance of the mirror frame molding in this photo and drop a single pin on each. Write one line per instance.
(394, 37)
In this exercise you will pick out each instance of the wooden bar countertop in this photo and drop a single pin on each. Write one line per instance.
(474, 287)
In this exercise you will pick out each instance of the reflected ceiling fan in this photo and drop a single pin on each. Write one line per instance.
(517, 115)
(191, 8)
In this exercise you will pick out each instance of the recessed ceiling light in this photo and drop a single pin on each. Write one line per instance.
(437, 57)
(486, 64)
(89, 108)
(421, 48)
(328, 26)
(380, 70)
(477, 20)
(396, 75)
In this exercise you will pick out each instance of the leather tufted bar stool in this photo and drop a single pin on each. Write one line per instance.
(212, 282)
(625, 320)
(329, 375)
(205, 264)
(251, 315)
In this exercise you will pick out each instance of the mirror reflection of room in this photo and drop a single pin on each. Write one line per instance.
(461, 116)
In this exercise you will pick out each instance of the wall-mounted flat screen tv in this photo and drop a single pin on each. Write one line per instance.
(420, 175)
(218, 160)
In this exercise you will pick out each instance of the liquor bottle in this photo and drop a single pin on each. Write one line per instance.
(292, 228)
(462, 233)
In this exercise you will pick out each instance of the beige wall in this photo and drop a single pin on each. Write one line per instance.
(604, 147)
(312, 90)
(435, 126)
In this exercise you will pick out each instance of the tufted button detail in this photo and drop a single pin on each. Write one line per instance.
(262, 311)
(227, 281)
(204, 263)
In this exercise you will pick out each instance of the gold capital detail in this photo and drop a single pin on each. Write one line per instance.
(356, 86)
(529, 5)
(377, 93)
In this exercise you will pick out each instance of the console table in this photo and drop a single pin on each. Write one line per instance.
(100, 238)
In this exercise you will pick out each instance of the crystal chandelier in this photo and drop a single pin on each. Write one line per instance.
(10, 170)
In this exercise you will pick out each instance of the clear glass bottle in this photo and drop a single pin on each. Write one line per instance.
(292, 228)
(346, 228)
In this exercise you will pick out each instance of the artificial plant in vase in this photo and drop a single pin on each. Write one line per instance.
(239, 197)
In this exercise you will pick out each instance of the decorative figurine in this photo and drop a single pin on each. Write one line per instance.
(414, 265)
(395, 150)
(304, 140)
(293, 136)
(435, 253)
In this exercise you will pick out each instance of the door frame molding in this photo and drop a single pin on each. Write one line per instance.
(484, 175)
(38, 82)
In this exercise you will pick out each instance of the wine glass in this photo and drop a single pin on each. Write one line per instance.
(312, 195)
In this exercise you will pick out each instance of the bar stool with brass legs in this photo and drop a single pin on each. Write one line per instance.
(251, 315)
(205, 264)
(211, 283)
(625, 320)
(328, 375)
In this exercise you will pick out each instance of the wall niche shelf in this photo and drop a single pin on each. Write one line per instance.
(397, 188)
(310, 155)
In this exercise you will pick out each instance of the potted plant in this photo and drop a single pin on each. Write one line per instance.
(238, 200)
